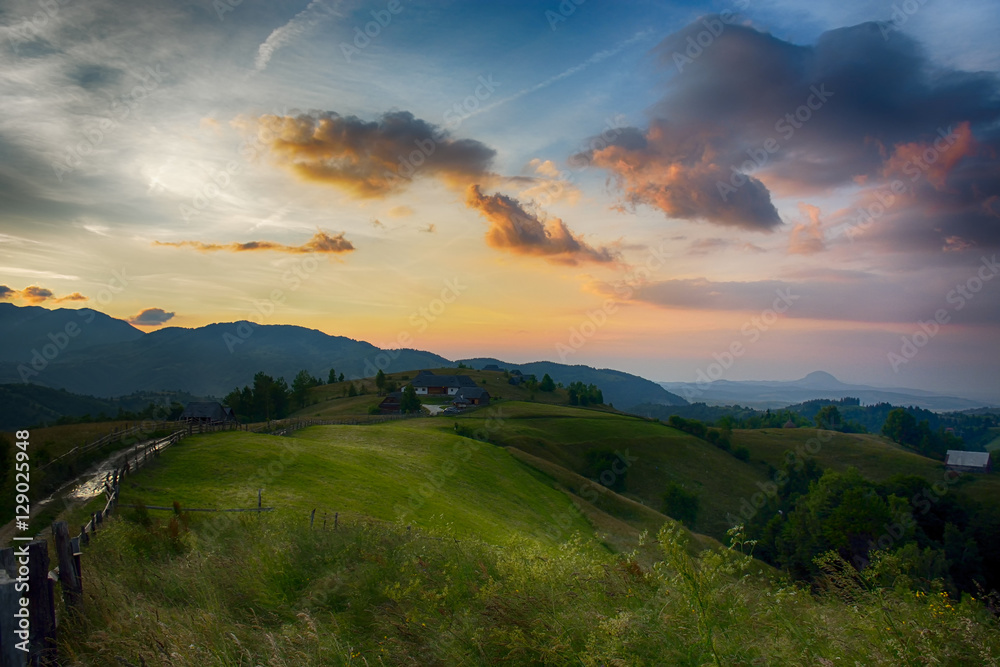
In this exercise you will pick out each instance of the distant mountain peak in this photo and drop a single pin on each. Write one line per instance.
(820, 379)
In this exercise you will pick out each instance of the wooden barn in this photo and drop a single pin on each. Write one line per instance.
(467, 396)
(207, 411)
(967, 461)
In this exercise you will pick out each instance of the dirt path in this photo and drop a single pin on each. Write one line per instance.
(80, 489)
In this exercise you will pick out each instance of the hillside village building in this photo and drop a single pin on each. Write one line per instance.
(207, 411)
(967, 461)
(428, 384)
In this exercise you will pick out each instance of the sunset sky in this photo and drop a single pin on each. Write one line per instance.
(644, 186)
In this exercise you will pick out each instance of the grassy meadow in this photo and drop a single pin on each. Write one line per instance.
(417, 472)
(481, 539)
(474, 576)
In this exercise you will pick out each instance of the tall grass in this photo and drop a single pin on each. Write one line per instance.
(263, 592)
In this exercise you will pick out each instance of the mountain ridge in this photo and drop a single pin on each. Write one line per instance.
(214, 359)
(815, 385)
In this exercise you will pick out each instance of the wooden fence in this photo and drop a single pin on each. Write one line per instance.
(28, 631)
(115, 436)
(27, 586)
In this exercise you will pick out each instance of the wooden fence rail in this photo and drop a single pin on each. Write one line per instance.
(28, 638)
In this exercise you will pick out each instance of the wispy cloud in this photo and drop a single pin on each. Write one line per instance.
(315, 12)
(807, 237)
(321, 242)
(34, 273)
(575, 69)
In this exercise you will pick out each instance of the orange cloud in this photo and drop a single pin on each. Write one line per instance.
(34, 294)
(75, 296)
(321, 242)
(518, 231)
(933, 159)
(400, 212)
(682, 170)
(549, 186)
(956, 244)
(371, 159)
(807, 238)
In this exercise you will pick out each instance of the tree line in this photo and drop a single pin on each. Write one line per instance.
(908, 531)
(272, 398)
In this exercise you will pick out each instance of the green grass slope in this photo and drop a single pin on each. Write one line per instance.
(876, 458)
(418, 473)
(658, 455)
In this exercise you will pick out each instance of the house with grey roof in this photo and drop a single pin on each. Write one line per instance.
(428, 384)
(467, 396)
(207, 411)
(961, 461)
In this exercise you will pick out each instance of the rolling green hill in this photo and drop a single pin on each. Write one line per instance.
(451, 550)
(430, 477)
(565, 435)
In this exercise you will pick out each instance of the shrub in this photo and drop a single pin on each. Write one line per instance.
(681, 504)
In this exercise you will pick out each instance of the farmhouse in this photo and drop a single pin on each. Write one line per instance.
(428, 384)
(390, 404)
(207, 411)
(467, 396)
(492, 367)
(516, 378)
(967, 461)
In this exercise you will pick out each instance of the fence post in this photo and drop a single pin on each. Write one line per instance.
(42, 612)
(10, 655)
(7, 562)
(72, 589)
(336, 519)
(312, 518)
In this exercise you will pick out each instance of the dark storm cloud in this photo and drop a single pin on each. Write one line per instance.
(151, 317)
(801, 119)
